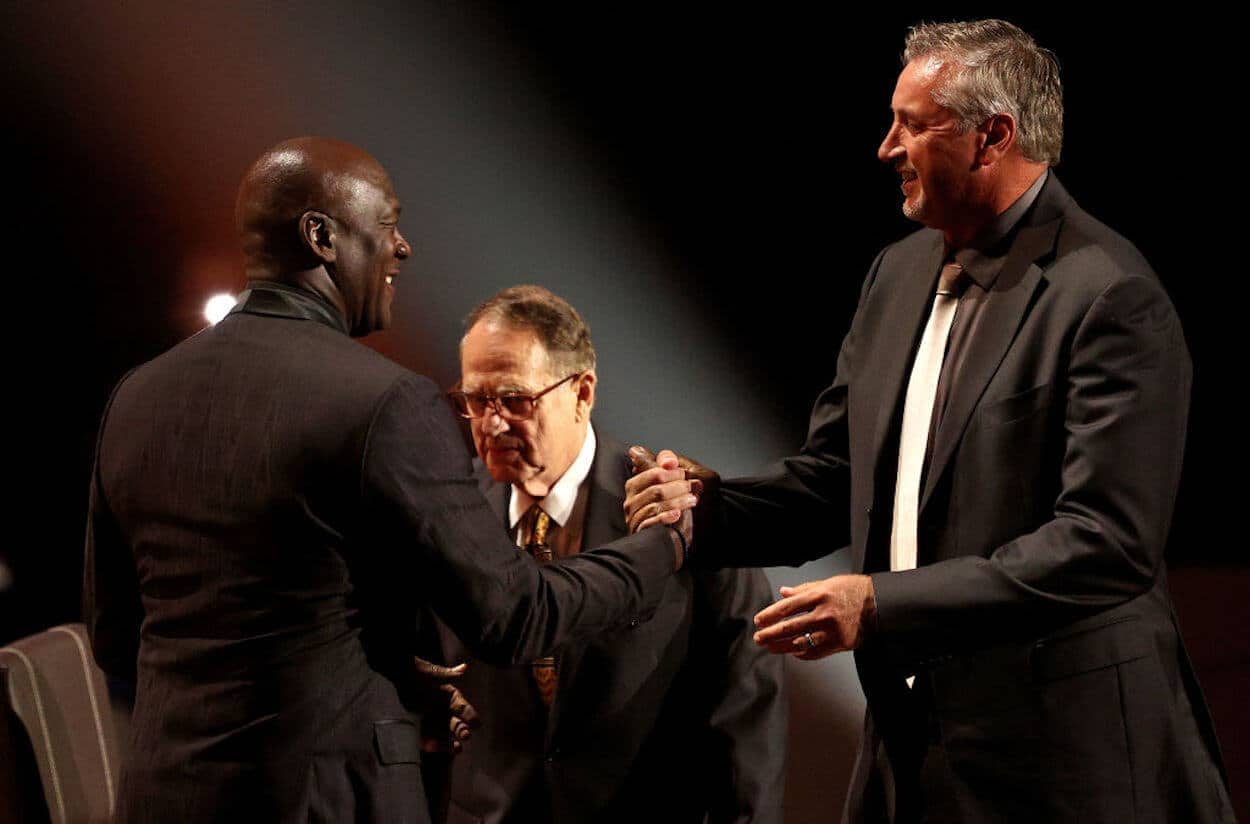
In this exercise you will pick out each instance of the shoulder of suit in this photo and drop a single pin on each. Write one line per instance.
(280, 342)
(416, 393)
(1089, 256)
(1092, 256)
(302, 359)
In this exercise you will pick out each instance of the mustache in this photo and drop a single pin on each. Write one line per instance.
(505, 442)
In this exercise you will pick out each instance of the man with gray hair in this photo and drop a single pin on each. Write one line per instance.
(1007, 424)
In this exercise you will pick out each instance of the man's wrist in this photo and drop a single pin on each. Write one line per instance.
(868, 611)
(681, 547)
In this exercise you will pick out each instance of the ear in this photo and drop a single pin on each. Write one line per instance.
(997, 136)
(585, 393)
(316, 231)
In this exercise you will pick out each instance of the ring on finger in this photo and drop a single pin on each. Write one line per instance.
(811, 642)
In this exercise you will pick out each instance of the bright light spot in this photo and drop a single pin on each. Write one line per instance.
(218, 306)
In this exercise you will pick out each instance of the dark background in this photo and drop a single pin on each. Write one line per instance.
(702, 184)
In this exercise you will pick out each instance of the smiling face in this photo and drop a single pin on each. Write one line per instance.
(368, 249)
(497, 358)
(924, 145)
(347, 247)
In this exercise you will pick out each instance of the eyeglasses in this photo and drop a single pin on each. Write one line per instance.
(514, 406)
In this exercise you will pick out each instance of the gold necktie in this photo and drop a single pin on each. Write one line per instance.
(545, 675)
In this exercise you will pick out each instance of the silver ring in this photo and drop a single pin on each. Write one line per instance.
(810, 643)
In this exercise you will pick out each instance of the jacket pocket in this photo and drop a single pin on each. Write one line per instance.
(398, 741)
(1090, 649)
(1017, 406)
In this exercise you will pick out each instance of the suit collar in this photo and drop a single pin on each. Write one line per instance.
(983, 259)
(1053, 202)
(273, 299)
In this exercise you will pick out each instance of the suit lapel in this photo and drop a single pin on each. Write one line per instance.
(894, 349)
(1006, 306)
(605, 513)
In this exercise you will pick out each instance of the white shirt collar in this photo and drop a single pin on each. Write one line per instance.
(563, 495)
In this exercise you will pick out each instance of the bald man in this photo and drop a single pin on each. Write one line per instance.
(272, 506)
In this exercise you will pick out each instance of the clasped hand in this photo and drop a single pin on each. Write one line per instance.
(812, 620)
(662, 488)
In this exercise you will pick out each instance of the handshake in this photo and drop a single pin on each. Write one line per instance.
(812, 620)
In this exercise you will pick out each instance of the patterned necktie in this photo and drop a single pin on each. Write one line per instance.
(545, 675)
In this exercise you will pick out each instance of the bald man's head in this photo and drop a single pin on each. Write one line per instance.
(321, 214)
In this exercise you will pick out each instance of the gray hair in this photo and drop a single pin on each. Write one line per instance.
(560, 329)
(995, 68)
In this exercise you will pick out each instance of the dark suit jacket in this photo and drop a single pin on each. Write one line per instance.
(1052, 682)
(271, 506)
(669, 720)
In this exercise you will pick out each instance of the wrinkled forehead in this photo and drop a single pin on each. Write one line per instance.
(494, 353)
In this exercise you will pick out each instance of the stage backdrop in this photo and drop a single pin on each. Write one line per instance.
(702, 185)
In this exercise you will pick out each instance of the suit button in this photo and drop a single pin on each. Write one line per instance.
(633, 623)
(868, 512)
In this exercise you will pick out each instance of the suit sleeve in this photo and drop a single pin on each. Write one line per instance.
(798, 510)
(748, 716)
(436, 531)
(112, 610)
(1124, 415)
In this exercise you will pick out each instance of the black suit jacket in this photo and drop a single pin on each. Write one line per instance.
(272, 505)
(1052, 681)
(674, 719)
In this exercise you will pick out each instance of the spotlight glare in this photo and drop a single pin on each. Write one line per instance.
(218, 307)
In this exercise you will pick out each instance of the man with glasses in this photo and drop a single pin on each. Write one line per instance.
(271, 507)
(684, 707)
